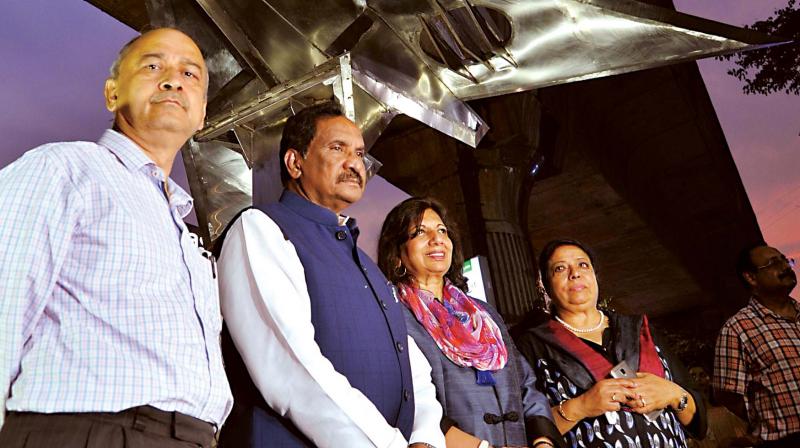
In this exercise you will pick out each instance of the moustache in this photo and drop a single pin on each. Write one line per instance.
(168, 96)
(351, 174)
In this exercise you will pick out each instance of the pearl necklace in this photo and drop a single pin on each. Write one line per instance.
(587, 330)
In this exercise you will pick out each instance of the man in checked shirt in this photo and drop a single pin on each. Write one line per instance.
(757, 363)
(109, 315)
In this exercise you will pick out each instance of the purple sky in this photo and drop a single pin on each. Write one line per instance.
(57, 56)
(762, 131)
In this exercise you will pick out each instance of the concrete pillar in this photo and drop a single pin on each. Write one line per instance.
(505, 158)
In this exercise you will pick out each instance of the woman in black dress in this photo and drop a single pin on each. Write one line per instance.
(574, 352)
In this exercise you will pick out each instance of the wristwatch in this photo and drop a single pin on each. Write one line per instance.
(484, 444)
(684, 403)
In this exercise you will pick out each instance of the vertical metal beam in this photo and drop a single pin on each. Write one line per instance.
(343, 87)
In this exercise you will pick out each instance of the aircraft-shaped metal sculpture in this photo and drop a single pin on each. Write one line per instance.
(380, 58)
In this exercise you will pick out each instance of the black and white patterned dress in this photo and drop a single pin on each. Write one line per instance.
(620, 429)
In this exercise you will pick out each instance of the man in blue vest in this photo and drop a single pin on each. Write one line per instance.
(317, 351)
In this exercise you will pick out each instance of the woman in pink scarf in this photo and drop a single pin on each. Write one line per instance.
(485, 387)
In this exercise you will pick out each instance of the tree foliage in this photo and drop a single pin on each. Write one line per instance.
(777, 68)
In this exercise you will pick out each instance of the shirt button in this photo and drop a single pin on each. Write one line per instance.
(406, 394)
(384, 305)
(341, 235)
(400, 347)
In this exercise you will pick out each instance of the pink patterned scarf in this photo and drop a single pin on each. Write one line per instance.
(462, 329)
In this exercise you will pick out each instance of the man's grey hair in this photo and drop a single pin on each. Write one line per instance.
(114, 70)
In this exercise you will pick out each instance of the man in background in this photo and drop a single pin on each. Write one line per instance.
(757, 363)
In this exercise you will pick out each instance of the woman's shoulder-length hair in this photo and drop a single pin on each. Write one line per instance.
(395, 233)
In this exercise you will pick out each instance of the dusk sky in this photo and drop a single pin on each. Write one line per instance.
(57, 55)
(762, 131)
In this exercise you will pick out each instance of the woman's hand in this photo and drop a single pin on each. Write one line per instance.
(607, 395)
(655, 393)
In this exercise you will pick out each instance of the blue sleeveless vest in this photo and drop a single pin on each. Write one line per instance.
(358, 324)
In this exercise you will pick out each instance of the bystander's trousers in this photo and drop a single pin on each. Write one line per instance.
(139, 427)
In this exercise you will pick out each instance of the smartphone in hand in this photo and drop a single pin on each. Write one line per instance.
(623, 370)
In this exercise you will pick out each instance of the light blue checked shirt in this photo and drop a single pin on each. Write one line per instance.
(105, 301)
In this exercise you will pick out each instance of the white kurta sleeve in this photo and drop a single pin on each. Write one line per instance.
(427, 410)
(266, 305)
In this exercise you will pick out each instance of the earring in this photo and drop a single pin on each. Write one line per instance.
(400, 273)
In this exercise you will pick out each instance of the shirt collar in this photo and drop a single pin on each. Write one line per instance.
(763, 311)
(134, 159)
(316, 213)
(125, 149)
(182, 201)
